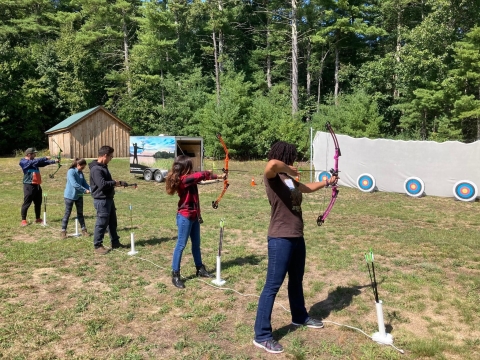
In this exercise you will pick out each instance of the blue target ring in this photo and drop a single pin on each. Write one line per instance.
(366, 183)
(414, 186)
(324, 175)
(465, 190)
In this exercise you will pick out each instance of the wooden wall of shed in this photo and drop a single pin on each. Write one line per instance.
(97, 130)
(63, 141)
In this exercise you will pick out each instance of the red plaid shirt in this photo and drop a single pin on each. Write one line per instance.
(189, 203)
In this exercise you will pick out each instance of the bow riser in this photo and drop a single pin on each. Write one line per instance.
(334, 171)
(225, 171)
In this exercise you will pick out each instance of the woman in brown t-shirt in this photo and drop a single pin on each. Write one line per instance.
(286, 245)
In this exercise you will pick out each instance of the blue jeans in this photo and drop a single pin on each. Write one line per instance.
(106, 221)
(68, 211)
(285, 256)
(187, 228)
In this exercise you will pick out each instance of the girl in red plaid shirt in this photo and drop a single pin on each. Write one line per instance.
(183, 181)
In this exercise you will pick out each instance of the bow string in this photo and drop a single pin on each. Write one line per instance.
(225, 170)
(334, 171)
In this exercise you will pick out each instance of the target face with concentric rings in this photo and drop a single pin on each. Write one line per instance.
(366, 183)
(324, 175)
(465, 190)
(414, 186)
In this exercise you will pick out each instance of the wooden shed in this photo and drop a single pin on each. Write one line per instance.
(82, 134)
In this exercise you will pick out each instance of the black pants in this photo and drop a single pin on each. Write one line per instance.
(106, 221)
(68, 210)
(31, 193)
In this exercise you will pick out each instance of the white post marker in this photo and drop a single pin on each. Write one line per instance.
(132, 236)
(381, 336)
(218, 280)
(132, 245)
(44, 209)
(77, 234)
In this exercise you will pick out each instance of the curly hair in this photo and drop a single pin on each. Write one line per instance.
(182, 165)
(283, 151)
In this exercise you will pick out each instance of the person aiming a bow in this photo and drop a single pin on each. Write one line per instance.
(183, 180)
(286, 245)
(32, 191)
(75, 188)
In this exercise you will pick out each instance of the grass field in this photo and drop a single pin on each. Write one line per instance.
(61, 301)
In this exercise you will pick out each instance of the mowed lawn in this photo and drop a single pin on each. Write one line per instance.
(61, 301)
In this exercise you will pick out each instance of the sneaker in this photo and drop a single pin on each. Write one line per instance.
(85, 232)
(270, 346)
(311, 323)
(202, 271)
(63, 234)
(119, 246)
(24, 223)
(102, 250)
(38, 221)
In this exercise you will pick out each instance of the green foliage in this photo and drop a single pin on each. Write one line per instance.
(356, 115)
(399, 68)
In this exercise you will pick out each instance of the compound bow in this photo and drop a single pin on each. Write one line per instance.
(225, 170)
(334, 171)
(59, 158)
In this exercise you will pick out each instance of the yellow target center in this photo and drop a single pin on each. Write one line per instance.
(464, 191)
(413, 187)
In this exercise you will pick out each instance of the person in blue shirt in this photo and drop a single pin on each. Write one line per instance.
(32, 191)
(74, 189)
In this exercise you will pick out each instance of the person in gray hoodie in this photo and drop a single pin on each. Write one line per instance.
(102, 188)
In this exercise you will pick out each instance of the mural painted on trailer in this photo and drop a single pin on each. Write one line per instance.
(152, 151)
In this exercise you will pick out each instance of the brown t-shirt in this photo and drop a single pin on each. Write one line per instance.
(286, 207)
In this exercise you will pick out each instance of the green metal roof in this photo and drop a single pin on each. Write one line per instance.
(71, 120)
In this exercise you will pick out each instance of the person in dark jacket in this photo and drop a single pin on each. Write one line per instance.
(102, 188)
(32, 191)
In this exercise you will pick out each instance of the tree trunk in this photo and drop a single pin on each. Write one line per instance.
(217, 70)
(309, 75)
(320, 74)
(294, 59)
(337, 69)
(220, 41)
(163, 93)
(269, 58)
(126, 57)
(396, 92)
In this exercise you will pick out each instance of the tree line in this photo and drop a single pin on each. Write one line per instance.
(255, 71)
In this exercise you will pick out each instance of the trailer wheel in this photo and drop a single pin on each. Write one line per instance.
(158, 176)
(147, 175)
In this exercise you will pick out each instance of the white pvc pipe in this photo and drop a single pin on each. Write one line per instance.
(132, 245)
(381, 323)
(381, 336)
(218, 281)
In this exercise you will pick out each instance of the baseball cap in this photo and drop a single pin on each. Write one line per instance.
(31, 151)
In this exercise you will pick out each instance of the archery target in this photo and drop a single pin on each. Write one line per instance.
(366, 183)
(465, 190)
(414, 186)
(324, 175)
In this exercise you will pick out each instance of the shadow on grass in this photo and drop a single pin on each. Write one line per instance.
(250, 260)
(155, 241)
(336, 300)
